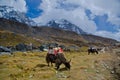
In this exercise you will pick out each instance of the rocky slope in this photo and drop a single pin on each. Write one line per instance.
(9, 13)
(47, 34)
(44, 34)
(8, 38)
(65, 25)
(97, 39)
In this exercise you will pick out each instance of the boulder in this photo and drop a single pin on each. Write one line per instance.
(21, 47)
(4, 49)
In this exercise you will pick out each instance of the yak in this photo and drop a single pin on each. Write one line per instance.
(58, 60)
(92, 51)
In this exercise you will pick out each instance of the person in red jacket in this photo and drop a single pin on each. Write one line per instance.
(55, 51)
(60, 54)
(60, 50)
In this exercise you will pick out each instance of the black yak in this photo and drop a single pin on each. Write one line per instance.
(50, 58)
(92, 51)
(58, 60)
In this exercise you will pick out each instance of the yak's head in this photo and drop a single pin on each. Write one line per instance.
(67, 64)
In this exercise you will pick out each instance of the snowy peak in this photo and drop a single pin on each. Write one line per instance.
(9, 13)
(66, 25)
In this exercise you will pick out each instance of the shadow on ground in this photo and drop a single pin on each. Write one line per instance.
(40, 65)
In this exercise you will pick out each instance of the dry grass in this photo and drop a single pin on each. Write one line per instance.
(11, 39)
(32, 66)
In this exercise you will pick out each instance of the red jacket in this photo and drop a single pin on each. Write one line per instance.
(55, 51)
(60, 50)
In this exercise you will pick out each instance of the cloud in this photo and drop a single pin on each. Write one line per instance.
(99, 7)
(18, 5)
(75, 12)
(55, 10)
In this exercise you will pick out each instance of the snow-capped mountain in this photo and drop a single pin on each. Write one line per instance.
(9, 13)
(66, 25)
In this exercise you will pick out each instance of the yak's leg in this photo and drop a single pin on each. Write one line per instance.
(93, 53)
(47, 62)
(57, 65)
(88, 53)
(51, 64)
(97, 52)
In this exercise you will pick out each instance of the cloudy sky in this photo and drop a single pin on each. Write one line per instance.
(99, 17)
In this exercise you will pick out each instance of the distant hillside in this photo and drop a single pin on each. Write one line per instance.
(43, 34)
(46, 34)
(99, 40)
(14, 26)
(11, 39)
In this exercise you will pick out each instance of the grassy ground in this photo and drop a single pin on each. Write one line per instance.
(12, 39)
(32, 66)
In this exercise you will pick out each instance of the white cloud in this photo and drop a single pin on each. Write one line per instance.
(18, 5)
(101, 7)
(52, 10)
(58, 9)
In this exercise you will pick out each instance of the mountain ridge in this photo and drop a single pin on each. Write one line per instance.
(65, 25)
(47, 34)
(44, 34)
(9, 13)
